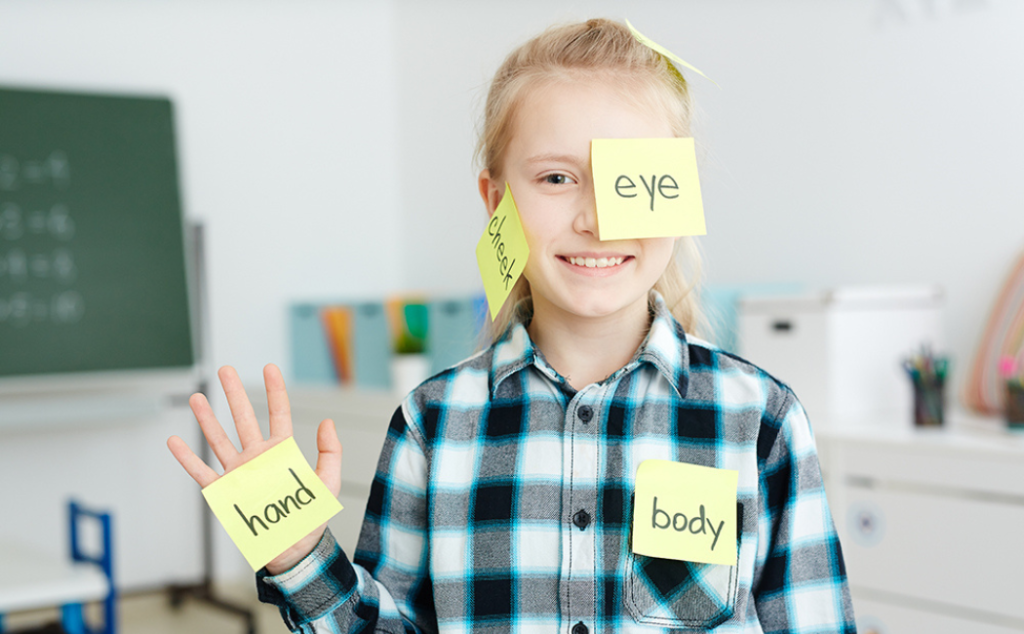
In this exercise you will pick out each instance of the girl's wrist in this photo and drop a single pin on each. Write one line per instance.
(294, 555)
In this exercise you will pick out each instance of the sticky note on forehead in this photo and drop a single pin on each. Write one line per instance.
(647, 188)
(502, 252)
(271, 502)
(685, 512)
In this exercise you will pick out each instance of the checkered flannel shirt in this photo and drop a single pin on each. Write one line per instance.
(503, 504)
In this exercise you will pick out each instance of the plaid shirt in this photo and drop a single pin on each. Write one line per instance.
(503, 503)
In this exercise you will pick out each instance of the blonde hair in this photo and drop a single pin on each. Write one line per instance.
(572, 52)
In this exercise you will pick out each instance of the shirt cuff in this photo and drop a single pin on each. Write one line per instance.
(318, 584)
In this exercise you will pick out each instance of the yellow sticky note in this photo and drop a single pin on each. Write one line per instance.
(271, 502)
(647, 188)
(661, 50)
(502, 252)
(686, 512)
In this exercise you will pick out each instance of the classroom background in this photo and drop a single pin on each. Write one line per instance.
(327, 148)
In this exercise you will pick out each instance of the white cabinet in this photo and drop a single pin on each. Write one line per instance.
(842, 350)
(931, 523)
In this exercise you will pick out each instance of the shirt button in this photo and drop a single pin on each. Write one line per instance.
(580, 628)
(581, 519)
(585, 413)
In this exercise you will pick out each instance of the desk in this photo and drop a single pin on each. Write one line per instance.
(33, 579)
(931, 522)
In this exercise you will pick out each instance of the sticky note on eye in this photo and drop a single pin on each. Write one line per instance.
(502, 252)
(647, 188)
(271, 502)
(686, 512)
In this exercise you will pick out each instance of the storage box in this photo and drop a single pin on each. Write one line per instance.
(842, 350)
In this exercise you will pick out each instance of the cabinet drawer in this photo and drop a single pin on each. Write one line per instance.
(940, 463)
(883, 617)
(941, 549)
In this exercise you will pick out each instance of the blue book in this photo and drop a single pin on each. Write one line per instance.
(311, 357)
(455, 325)
(372, 346)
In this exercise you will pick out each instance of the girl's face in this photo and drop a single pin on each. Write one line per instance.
(547, 166)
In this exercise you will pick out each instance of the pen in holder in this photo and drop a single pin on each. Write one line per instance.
(1015, 403)
(1012, 372)
(928, 378)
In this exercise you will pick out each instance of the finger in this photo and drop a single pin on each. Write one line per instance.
(241, 410)
(215, 434)
(277, 402)
(199, 470)
(328, 460)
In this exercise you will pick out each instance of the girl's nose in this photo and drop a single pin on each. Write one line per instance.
(585, 220)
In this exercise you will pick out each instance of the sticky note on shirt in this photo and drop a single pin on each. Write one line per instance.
(686, 512)
(271, 502)
(647, 188)
(502, 252)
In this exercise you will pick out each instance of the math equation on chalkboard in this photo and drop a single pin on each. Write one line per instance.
(37, 242)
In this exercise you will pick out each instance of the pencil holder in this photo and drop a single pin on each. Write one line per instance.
(929, 403)
(1015, 404)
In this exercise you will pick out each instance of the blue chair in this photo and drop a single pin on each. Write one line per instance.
(32, 580)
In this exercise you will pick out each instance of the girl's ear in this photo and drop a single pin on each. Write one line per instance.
(490, 190)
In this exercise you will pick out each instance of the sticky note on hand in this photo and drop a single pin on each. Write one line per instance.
(686, 512)
(647, 188)
(271, 502)
(502, 252)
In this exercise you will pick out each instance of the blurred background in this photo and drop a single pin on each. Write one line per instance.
(327, 148)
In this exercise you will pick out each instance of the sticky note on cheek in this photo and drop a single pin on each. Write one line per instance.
(271, 502)
(686, 512)
(502, 252)
(647, 188)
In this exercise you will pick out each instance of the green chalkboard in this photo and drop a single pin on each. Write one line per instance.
(92, 257)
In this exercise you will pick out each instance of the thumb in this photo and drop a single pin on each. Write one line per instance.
(328, 461)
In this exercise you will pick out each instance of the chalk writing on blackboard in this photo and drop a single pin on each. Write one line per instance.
(54, 170)
(37, 244)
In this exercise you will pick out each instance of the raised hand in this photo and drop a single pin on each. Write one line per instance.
(328, 464)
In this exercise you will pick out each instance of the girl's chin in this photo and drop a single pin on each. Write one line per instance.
(588, 306)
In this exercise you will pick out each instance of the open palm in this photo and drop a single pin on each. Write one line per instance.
(328, 464)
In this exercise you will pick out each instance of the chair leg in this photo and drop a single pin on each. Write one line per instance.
(72, 618)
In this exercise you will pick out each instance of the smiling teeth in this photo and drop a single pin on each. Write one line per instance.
(598, 263)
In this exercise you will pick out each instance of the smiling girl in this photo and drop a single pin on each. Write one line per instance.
(504, 499)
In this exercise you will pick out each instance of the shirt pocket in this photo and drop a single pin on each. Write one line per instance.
(671, 593)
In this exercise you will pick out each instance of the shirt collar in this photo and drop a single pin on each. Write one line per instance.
(664, 347)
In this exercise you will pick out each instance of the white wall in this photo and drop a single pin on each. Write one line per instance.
(327, 146)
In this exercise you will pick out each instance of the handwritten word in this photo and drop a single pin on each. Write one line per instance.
(504, 266)
(280, 508)
(681, 524)
(661, 186)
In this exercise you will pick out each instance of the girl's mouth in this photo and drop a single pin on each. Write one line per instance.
(591, 263)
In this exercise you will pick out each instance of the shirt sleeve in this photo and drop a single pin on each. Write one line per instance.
(800, 584)
(387, 589)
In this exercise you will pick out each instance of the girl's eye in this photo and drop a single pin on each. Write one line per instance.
(558, 179)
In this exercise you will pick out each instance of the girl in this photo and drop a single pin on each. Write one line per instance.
(503, 500)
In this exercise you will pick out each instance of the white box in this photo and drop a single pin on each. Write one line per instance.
(842, 350)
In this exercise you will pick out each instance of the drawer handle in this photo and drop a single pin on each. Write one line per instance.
(782, 325)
